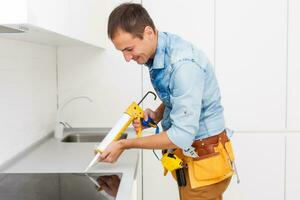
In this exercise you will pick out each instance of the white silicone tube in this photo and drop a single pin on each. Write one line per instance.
(109, 138)
(113, 132)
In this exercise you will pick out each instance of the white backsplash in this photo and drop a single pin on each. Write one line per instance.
(28, 95)
(104, 76)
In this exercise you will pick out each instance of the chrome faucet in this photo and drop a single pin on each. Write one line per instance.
(60, 125)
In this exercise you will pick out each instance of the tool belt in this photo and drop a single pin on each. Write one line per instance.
(215, 161)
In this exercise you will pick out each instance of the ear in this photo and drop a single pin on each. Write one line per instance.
(149, 32)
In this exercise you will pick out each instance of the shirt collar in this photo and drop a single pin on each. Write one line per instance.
(159, 58)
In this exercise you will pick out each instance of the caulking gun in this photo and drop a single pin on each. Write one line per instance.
(134, 111)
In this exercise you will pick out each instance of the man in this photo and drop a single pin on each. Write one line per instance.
(191, 113)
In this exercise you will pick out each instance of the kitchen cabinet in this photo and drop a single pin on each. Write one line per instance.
(293, 94)
(55, 22)
(155, 184)
(260, 159)
(292, 166)
(250, 55)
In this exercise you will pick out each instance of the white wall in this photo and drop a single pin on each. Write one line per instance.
(28, 95)
(102, 75)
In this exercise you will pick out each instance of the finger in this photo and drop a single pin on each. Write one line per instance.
(104, 185)
(108, 159)
(136, 123)
(138, 130)
(136, 120)
(148, 113)
(145, 116)
(137, 126)
(102, 181)
(103, 155)
(115, 178)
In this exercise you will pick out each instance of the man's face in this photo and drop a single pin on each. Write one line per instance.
(135, 48)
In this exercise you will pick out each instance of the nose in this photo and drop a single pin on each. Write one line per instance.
(127, 56)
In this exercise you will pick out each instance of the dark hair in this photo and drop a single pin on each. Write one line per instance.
(131, 18)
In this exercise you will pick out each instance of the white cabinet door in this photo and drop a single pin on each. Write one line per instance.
(260, 160)
(293, 112)
(155, 184)
(56, 22)
(292, 166)
(251, 62)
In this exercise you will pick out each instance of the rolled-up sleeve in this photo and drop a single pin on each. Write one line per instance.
(186, 86)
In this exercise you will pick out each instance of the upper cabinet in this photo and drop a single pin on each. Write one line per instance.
(251, 60)
(55, 22)
(293, 94)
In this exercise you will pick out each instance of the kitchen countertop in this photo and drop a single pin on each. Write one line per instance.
(53, 156)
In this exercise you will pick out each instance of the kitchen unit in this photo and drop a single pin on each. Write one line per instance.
(34, 36)
(56, 22)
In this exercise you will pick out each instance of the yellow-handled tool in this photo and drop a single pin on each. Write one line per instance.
(134, 111)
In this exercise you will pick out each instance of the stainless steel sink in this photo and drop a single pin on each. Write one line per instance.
(88, 137)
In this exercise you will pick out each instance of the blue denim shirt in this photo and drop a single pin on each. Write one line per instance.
(185, 81)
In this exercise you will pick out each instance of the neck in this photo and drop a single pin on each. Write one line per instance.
(155, 44)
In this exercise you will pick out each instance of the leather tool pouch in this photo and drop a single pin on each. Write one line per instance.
(214, 163)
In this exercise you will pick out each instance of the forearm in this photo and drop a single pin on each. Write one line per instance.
(157, 141)
(159, 112)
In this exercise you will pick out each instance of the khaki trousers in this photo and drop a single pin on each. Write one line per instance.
(210, 192)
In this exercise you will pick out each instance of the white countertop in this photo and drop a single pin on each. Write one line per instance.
(53, 156)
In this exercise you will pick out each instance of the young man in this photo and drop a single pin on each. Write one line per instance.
(191, 113)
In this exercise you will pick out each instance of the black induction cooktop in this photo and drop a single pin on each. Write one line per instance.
(57, 186)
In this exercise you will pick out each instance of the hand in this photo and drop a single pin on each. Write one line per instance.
(147, 113)
(110, 184)
(112, 152)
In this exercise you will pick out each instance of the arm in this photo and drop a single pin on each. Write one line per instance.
(157, 141)
(116, 148)
(186, 98)
(159, 112)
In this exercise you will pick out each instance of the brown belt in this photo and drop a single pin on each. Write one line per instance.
(205, 147)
